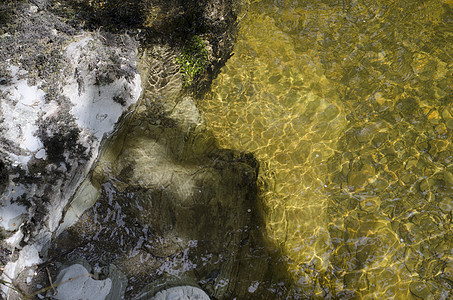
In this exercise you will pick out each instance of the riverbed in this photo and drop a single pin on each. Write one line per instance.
(348, 107)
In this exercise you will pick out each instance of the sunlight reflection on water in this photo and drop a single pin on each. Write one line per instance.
(348, 106)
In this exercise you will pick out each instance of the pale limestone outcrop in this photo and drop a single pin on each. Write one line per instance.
(61, 95)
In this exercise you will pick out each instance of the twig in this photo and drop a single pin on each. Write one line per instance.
(50, 280)
(11, 286)
(56, 285)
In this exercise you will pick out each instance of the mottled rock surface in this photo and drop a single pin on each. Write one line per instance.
(181, 292)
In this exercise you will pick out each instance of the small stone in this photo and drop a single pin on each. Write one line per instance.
(366, 133)
(446, 114)
(420, 289)
(441, 128)
(448, 178)
(33, 9)
(448, 272)
(356, 180)
(449, 124)
(412, 162)
(371, 204)
(446, 204)
(380, 184)
(424, 186)
(433, 115)
(41, 154)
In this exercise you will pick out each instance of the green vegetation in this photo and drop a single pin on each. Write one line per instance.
(192, 60)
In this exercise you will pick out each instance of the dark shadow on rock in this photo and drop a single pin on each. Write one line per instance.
(176, 18)
(4, 176)
(155, 22)
(6, 15)
(197, 218)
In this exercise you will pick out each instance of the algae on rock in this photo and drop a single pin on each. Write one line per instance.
(193, 59)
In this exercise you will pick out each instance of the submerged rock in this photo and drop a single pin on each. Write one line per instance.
(172, 205)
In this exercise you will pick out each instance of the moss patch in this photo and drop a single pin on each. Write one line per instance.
(193, 60)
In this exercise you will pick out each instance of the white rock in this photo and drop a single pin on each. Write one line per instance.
(184, 292)
(21, 108)
(15, 239)
(86, 196)
(28, 257)
(41, 154)
(11, 216)
(75, 283)
(94, 109)
(43, 134)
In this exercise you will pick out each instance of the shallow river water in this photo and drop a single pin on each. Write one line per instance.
(348, 107)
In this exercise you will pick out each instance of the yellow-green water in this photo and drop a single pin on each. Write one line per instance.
(348, 107)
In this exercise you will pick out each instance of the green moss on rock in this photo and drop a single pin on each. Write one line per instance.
(193, 60)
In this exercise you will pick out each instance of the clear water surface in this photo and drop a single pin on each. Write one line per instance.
(348, 106)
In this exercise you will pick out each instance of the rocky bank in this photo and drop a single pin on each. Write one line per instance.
(98, 119)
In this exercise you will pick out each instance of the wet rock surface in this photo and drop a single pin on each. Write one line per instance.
(353, 136)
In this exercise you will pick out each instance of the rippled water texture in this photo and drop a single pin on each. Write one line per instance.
(348, 107)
